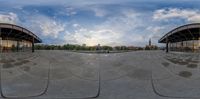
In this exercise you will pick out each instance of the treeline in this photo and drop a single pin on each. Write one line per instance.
(84, 47)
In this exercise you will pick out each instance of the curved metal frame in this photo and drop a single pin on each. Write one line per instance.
(21, 33)
(179, 29)
(23, 30)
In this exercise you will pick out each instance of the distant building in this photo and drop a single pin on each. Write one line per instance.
(150, 46)
(84, 45)
(149, 42)
(98, 47)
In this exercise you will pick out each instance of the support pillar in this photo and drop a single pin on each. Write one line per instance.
(1, 45)
(167, 49)
(186, 47)
(172, 46)
(17, 45)
(186, 44)
(7, 45)
(193, 45)
(167, 45)
(182, 46)
(33, 48)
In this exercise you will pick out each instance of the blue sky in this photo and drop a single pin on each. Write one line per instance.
(105, 22)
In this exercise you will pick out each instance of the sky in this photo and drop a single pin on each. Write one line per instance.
(105, 22)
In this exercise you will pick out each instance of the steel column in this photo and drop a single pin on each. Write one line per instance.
(193, 45)
(1, 47)
(17, 45)
(33, 49)
(167, 49)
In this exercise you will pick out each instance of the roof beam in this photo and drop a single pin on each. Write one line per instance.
(191, 33)
(23, 36)
(182, 35)
(11, 30)
(17, 34)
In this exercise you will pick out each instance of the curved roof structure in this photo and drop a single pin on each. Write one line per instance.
(18, 32)
(182, 33)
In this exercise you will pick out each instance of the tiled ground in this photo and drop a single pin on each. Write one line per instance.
(129, 75)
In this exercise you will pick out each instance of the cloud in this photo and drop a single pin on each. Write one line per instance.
(98, 23)
(76, 25)
(155, 31)
(51, 28)
(117, 30)
(190, 15)
(70, 11)
(9, 18)
(41, 25)
(91, 37)
(63, 2)
(99, 12)
(124, 22)
(47, 26)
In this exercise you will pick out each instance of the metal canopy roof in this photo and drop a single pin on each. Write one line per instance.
(14, 31)
(182, 33)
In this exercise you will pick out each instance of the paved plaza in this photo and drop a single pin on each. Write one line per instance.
(128, 75)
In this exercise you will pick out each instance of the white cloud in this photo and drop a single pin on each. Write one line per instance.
(76, 25)
(190, 15)
(91, 37)
(69, 11)
(39, 24)
(64, 2)
(99, 12)
(128, 20)
(51, 28)
(48, 26)
(155, 31)
(118, 30)
(9, 18)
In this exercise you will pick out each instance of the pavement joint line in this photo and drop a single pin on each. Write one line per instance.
(162, 95)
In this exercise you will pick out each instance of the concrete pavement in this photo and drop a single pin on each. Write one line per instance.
(129, 75)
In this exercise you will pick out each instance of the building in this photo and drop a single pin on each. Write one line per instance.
(151, 46)
(16, 38)
(183, 38)
(98, 47)
(149, 42)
